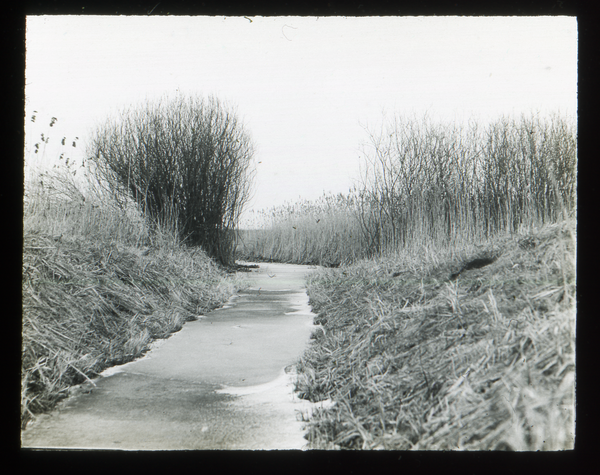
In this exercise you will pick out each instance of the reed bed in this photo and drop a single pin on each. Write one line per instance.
(451, 183)
(98, 287)
(431, 184)
(424, 351)
(326, 232)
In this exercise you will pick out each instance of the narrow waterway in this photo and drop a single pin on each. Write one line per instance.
(224, 381)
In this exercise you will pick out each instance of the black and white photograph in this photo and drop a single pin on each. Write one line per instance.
(299, 233)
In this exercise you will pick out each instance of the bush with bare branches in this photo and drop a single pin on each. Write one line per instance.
(186, 162)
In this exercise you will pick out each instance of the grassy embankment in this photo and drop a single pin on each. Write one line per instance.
(456, 330)
(414, 359)
(99, 287)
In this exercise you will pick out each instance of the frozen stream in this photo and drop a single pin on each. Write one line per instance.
(219, 383)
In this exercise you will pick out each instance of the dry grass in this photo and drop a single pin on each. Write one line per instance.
(415, 360)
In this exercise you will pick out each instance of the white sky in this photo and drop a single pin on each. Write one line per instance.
(304, 86)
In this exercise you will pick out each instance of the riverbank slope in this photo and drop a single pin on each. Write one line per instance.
(89, 304)
(447, 351)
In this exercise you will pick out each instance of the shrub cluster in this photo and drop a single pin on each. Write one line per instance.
(185, 163)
